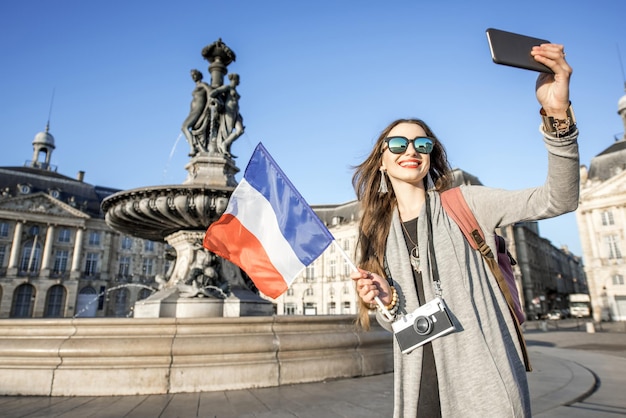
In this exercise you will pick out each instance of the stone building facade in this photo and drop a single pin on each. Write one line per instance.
(601, 218)
(58, 257)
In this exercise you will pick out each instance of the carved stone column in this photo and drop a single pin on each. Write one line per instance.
(77, 254)
(47, 252)
(15, 248)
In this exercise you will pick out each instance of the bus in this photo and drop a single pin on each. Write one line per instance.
(579, 305)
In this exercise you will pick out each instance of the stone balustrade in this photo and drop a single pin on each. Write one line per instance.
(131, 356)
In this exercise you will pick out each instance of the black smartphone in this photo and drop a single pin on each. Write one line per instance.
(508, 48)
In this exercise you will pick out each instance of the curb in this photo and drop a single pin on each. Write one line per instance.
(558, 381)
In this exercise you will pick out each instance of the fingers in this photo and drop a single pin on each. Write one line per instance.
(553, 57)
(366, 286)
(552, 90)
(370, 285)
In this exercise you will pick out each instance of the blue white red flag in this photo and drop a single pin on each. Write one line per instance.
(268, 229)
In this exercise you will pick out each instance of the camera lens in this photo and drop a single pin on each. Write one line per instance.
(423, 325)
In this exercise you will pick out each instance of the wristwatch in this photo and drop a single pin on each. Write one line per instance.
(559, 127)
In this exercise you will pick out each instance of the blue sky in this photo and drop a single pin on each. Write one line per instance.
(319, 80)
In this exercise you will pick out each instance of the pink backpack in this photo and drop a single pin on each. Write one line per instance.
(456, 207)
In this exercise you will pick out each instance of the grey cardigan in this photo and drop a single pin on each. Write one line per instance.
(479, 368)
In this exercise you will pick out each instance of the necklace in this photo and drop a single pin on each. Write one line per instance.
(414, 254)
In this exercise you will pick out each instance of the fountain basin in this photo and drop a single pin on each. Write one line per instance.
(155, 212)
(119, 356)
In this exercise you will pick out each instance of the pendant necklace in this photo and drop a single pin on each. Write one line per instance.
(414, 254)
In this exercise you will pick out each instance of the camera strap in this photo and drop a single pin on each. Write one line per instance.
(431, 251)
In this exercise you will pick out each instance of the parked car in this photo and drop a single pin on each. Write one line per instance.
(555, 314)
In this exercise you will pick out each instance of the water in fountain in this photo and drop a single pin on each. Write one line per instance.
(106, 292)
(169, 159)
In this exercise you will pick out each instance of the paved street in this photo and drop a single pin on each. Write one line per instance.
(576, 374)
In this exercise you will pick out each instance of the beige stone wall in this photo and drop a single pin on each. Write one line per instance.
(117, 356)
(602, 214)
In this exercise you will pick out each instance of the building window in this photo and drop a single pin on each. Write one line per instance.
(309, 274)
(64, 235)
(86, 303)
(308, 292)
(332, 268)
(91, 264)
(24, 188)
(127, 243)
(55, 302)
(346, 308)
(60, 261)
(345, 290)
(290, 291)
(290, 309)
(332, 308)
(3, 252)
(4, 230)
(121, 299)
(124, 269)
(618, 280)
(612, 243)
(347, 268)
(148, 266)
(23, 300)
(148, 246)
(310, 308)
(607, 218)
(144, 293)
(94, 238)
(346, 244)
(31, 256)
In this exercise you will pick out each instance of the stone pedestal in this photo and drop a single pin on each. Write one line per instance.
(211, 170)
(242, 302)
(168, 303)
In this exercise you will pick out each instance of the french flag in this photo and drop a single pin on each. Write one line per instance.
(268, 229)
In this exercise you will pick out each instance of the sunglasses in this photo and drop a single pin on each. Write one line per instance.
(399, 144)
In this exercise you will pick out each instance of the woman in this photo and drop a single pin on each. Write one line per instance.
(475, 371)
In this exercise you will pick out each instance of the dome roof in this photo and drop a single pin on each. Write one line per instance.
(44, 139)
(621, 104)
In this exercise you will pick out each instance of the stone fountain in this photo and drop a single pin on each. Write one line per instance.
(198, 284)
(205, 329)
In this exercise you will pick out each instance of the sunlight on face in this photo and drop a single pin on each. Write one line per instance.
(411, 166)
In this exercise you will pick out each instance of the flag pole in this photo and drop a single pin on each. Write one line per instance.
(346, 257)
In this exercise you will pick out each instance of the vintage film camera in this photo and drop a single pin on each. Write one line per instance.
(426, 323)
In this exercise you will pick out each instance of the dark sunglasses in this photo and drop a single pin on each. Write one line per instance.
(399, 144)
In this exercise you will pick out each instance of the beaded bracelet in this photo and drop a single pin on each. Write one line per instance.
(393, 305)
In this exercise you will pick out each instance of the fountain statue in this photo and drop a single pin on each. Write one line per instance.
(198, 283)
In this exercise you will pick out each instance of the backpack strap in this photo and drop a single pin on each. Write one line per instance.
(456, 207)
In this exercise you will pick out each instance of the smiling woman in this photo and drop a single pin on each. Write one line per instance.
(456, 336)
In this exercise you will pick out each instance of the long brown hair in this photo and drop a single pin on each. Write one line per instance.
(377, 209)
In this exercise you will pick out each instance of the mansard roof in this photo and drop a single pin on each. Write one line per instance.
(17, 181)
(609, 162)
(333, 215)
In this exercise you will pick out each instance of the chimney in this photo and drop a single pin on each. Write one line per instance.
(80, 176)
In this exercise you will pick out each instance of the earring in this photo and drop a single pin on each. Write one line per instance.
(382, 189)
